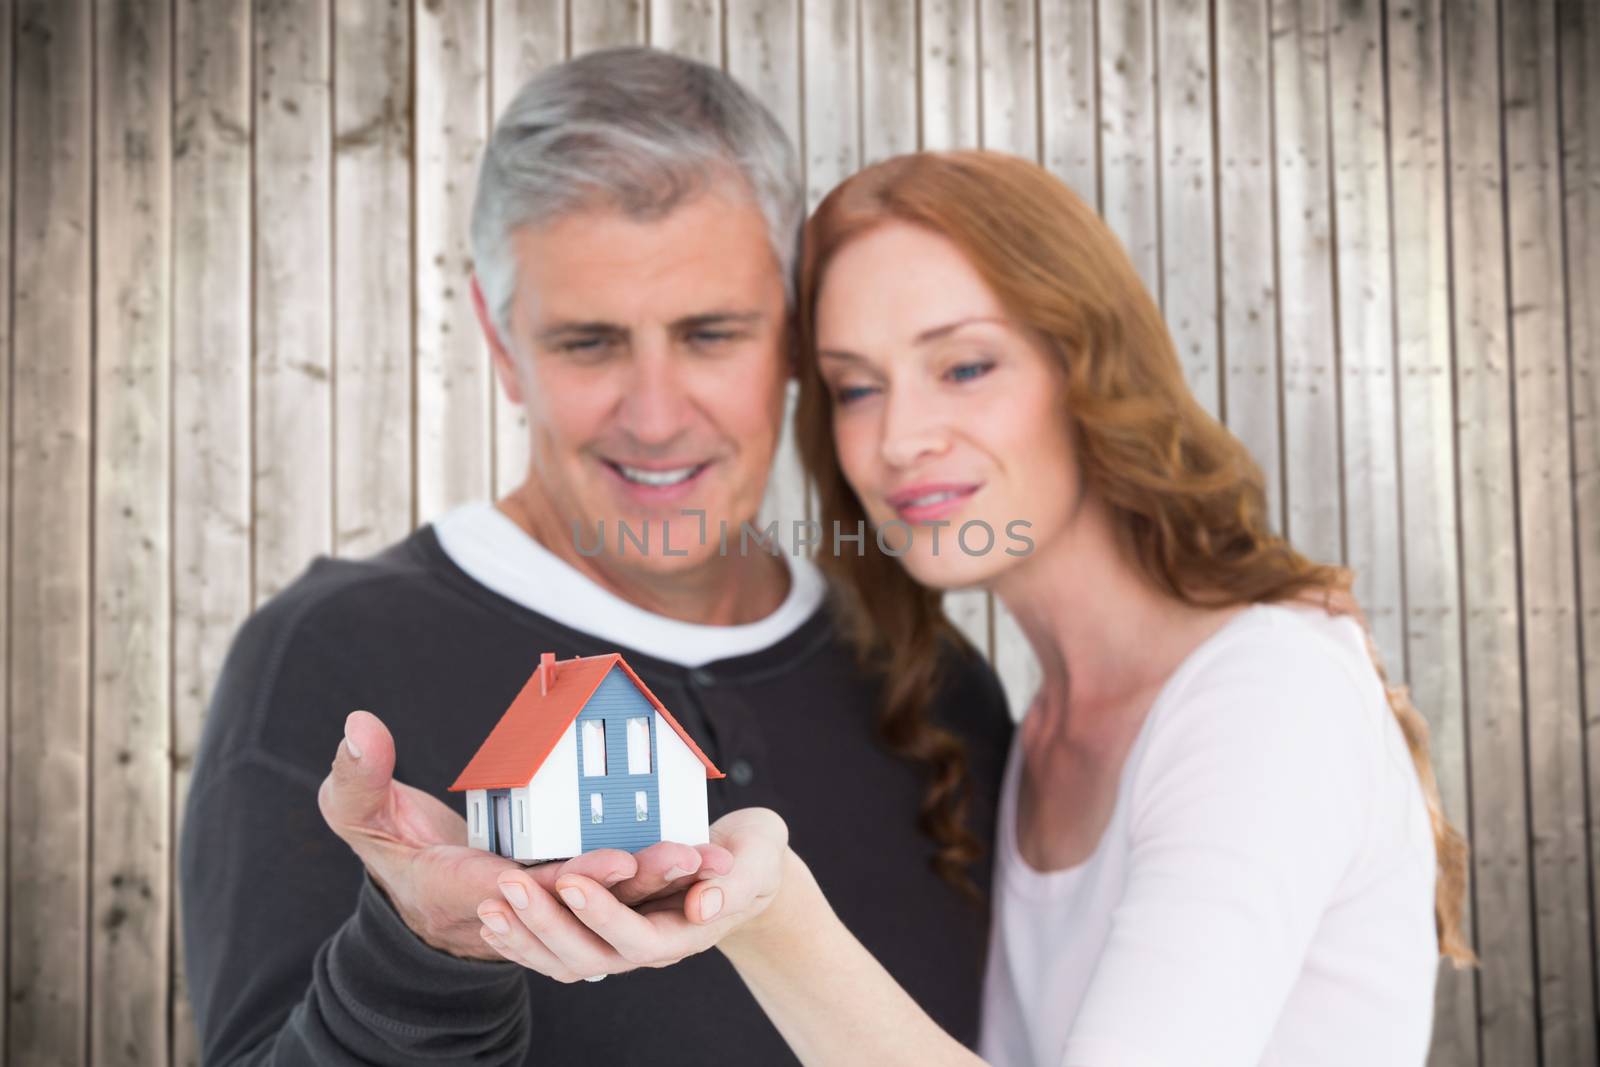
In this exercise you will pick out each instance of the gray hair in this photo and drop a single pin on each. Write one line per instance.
(633, 128)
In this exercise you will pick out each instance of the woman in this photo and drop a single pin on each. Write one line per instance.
(1220, 837)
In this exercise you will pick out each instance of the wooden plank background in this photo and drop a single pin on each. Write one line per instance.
(235, 332)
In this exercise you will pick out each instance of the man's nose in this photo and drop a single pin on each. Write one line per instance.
(912, 429)
(655, 403)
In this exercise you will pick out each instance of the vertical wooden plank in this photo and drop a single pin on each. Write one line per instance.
(131, 855)
(1009, 91)
(1128, 148)
(1245, 197)
(763, 52)
(50, 531)
(949, 74)
(690, 28)
(1188, 198)
(293, 291)
(1306, 320)
(1552, 686)
(455, 390)
(888, 79)
(372, 248)
(1366, 319)
(606, 23)
(1421, 279)
(1578, 42)
(1008, 95)
(832, 96)
(948, 85)
(1068, 84)
(526, 38)
(211, 311)
(7, 27)
(1487, 479)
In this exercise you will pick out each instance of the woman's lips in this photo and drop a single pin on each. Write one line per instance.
(933, 501)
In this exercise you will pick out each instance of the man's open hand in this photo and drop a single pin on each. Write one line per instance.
(416, 848)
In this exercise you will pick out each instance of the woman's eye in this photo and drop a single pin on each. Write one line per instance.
(966, 372)
(846, 394)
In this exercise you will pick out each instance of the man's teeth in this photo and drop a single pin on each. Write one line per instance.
(933, 498)
(657, 478)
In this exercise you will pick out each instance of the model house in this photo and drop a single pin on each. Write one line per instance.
(585, 757)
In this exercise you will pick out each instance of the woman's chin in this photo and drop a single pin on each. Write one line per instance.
(957, 571)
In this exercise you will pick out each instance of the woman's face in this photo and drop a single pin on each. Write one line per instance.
(947, 417)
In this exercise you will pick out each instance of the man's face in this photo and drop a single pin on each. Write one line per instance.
(650, 356)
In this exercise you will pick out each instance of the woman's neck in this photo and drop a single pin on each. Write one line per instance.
(1101, 630)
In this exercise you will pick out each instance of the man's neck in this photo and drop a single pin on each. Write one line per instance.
(722, 590)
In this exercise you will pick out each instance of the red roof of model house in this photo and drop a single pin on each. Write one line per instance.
(527, 733)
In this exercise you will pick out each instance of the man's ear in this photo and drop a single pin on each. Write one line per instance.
(505, 368)
(791, 347)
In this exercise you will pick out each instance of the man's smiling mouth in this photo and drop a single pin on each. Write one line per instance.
(657, 478)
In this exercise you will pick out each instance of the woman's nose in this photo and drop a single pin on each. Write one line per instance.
(911, 432)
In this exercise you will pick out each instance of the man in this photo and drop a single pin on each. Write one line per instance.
(633, 235)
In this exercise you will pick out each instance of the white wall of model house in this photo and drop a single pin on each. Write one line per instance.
(544, 812)
(683, 789)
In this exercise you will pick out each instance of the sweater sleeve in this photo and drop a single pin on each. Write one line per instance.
(1246, 810)
(294, 956)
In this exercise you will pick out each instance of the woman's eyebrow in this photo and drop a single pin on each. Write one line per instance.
(935, 332)
(932, 333)
(841, 354)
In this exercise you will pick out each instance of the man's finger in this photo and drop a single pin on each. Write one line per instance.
(356, 792)
(714, 860)
(660, 867)
(608, 866)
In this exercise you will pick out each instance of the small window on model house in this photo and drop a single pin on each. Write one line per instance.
(639, 745)
(596, 808)
(477, 817)
(641, 806)
(594, 748)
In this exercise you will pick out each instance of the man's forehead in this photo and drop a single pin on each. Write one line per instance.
(710, 255)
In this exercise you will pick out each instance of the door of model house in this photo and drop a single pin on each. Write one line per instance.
(500, 824)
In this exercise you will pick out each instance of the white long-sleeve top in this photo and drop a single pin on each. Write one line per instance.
(1263, 893)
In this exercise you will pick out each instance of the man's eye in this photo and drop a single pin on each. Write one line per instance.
(584, 345)
(711, 337)
(966, 372)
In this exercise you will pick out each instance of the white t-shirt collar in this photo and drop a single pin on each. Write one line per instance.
(497, 553)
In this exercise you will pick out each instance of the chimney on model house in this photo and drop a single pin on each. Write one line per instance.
(547, 672)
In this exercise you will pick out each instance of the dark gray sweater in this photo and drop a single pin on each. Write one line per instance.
(294, 956)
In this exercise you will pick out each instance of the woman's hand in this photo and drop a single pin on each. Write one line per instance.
(648, 920)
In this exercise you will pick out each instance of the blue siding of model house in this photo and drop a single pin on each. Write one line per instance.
(615, 702)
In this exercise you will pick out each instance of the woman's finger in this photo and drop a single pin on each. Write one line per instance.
(630, 934)
(578, 949)
(505, 934)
